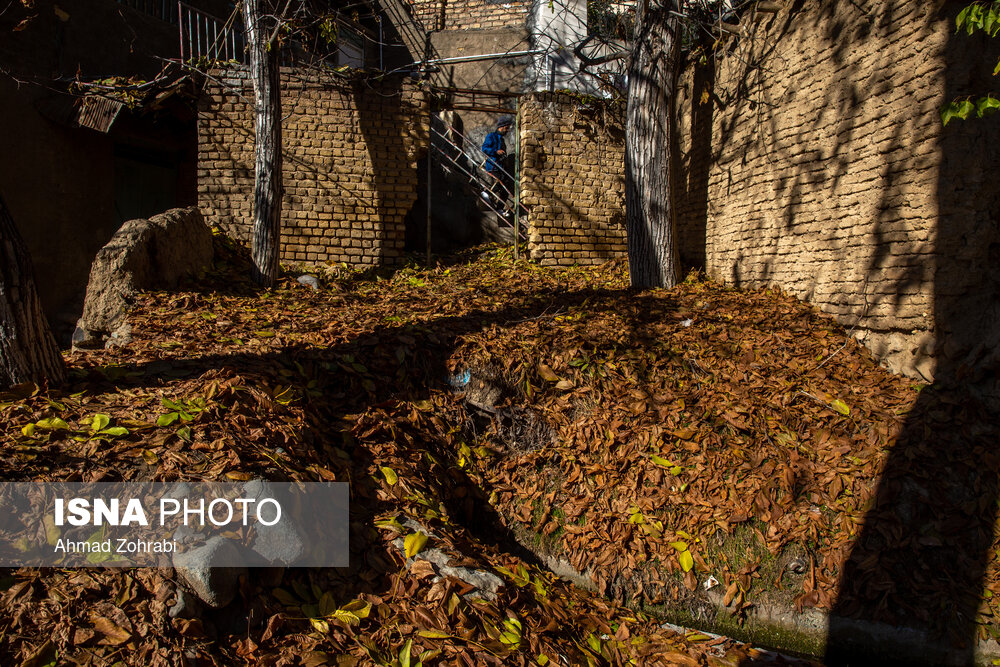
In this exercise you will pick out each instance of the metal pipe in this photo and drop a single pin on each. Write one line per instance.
(469, 59)
(430, 152)
(480, 108)
(180, 29)
(517, 173)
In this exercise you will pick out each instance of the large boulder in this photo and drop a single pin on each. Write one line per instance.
(142, 255)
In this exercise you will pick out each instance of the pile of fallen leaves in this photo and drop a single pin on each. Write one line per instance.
(630, 433)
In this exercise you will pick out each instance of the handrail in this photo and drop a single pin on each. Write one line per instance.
(454, 162)
(205, 36)
(452, 128)
(161, 9)
(472, 178)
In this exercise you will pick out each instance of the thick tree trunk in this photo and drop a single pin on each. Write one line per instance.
(28, 352)
(265, 234)
(652, 76)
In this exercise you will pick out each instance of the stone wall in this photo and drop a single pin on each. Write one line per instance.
(350, 164)
(471, 14)
(813, 158)
(573, 179)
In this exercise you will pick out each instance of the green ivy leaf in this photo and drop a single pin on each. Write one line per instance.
(987, 106)
(965, 108)
(167, 419)
(961, 18)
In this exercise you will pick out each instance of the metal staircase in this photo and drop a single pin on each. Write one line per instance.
(495, 200)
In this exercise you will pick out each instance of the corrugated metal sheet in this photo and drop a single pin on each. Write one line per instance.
(91, 111)
(97, 113)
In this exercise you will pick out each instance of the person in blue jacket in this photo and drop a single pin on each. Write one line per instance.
(495, 150)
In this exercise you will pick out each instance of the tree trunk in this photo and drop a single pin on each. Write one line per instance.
(652, 76)
(265, 234)
(28, 351)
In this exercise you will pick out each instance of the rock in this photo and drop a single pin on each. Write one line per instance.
(486, 583)
(179, 491)
(309, 281)
(186, 605)
(120, 337)
(143, 254)
(199, 569)
(79, 337)
(278, 544)
(187, 535)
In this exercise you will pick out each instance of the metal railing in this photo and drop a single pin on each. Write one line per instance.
(453, 158)
(205, 36)
(165, 10)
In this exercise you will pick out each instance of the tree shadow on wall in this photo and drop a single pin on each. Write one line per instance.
(927, 545)
(382, 124)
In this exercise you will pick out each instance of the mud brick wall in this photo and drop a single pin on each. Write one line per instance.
(573, 179)
(349, 158)
(813, 158)
(471, 14)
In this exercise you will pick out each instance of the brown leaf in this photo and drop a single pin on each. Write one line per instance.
(43, 655)
(680, 659)
(547, 373)
(273, 625)
(189, 627)
(691, 581)
(317, 659)
(83, 635)
(422, 569)
(730, 594)
(114, 634)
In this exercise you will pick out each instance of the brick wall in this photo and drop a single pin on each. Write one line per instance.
(572, 179)
(350, 153)
(471, 14)
(813, 158)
